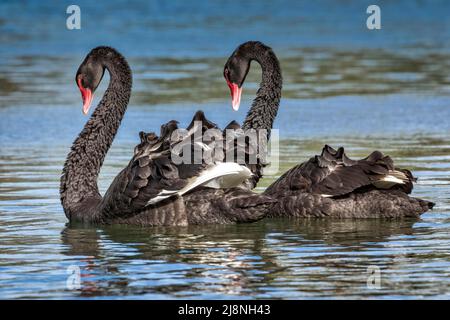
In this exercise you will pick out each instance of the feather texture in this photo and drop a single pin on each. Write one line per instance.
(331, 184)
(153, 175)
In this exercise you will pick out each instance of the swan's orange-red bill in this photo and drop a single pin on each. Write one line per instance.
(236, 93)
(86, 95)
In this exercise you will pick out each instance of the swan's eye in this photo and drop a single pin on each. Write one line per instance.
(226, 74)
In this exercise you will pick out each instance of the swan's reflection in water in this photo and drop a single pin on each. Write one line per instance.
(283, 258)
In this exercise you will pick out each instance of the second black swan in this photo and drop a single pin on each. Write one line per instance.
(330, 184)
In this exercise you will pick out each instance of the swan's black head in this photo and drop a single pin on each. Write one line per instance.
(90, 73)
(237, 66)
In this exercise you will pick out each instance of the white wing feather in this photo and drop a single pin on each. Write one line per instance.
(220, 175)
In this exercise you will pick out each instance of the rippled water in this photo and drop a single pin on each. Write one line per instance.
(269, 259)
(342, 86)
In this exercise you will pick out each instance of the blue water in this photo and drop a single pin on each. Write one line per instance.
(213, 28)
(343, 85)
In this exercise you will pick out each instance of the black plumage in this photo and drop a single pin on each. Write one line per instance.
(329, 185)
(333, 185)
(265, 105)
(151, 169)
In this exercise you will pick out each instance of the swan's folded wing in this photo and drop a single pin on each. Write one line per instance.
(334, 174)
(170, 165)
(148, 173)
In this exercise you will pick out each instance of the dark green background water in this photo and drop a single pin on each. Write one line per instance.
(343, 85)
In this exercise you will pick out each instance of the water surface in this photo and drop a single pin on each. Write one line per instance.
(343, 86)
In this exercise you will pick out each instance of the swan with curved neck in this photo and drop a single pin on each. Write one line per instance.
(151, 190)
(329, 185)
(79, 191)
(264, 109)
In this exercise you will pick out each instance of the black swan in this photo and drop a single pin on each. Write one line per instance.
(265, 106)
(329, 185)
(152, 190)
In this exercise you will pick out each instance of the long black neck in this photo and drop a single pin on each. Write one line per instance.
(265, 106)
(79, 191)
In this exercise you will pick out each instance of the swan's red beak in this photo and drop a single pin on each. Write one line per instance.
(236, 93)
(86, 95)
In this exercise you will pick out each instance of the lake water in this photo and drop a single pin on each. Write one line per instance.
(343, 85)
